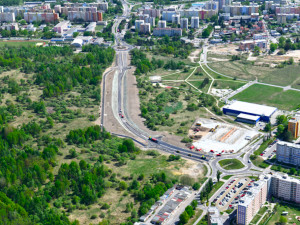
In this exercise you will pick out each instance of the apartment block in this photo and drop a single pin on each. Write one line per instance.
(237, 9)
(195, 22)
(167, 31)
(253, 200)
(138, 24)
(285, 188)
(152, 12)
(86, 16)
(162, 24)
(294, 127)
(38, 16)
(145, 28)
(176, 19)
(184, 23)
(7, 17)
(288, 153)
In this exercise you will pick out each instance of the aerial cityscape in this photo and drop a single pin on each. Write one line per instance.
(130, 112)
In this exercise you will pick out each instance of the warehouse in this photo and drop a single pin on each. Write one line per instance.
(245, 118)
(235, 108)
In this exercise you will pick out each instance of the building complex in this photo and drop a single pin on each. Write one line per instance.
(288, 153)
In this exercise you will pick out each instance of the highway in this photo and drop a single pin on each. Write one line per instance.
(121, 114)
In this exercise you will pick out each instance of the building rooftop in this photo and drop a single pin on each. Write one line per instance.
(248, 117)
(251, 108)
(294, 145)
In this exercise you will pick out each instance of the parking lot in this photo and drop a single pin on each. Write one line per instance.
(229, 196)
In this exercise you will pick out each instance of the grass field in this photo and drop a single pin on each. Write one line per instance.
(259, 215)
(231, 164)
(226, 84)
(198, 212)
(227, 177)
(292, 210)
(272, 96)
(19, 43)
(216, 187)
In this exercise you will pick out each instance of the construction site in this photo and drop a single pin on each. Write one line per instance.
(212, 136)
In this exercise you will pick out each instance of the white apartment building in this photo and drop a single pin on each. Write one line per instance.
(214, 217)
(138, 24)
(250, 204)
(176, 19)
(195, 22)
(184, 23)
(162, 24)
(288, 153)
(145, 28)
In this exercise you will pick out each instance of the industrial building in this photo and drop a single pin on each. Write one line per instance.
(235, 108)
(294, 127)
(245, 118)
(167, 31)
(288, 153)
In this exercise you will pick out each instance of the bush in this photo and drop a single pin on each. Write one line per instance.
(105, 206)
(186, 140)
(93, 217)
(196, 186)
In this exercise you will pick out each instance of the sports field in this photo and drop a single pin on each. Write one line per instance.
(272, 96)
(19, 43)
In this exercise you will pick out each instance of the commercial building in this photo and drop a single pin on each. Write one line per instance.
(30, 17)
(195, 22)
(237, 107)
(214, 217)
(145, 28)
(253, 200)
(62, 27)
(7, 17)
(162, 24)
(245, 118)
(288, 153)
(294, 127)
(184, 23)
(167, 31)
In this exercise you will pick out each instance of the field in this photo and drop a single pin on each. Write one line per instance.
(231, 164)
(272, 96)
(227, 177)
(259, 215)
(292, 210)
(19, 43)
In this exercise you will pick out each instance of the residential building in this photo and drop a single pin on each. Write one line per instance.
(167, 31)
(214, 216)
(162, 24)
(11, 26)
(294, 127)
(86, 16)
(167, 15)
(250, 44)
(176, 18)
(184, 23)
(285, 188)
(145, 28)
(253, 200)
(287, 152)
(7, 17)
(30, 17)
(150, 20)
(152, 12)
(138, 24)
(195, 22)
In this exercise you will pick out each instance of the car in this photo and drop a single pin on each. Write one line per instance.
(219, 154)
(212, 151)
(121, 115)
(220, 203)
(198, 149)
(226, 187)
(223, 151)
(192, 147)
(153, 139)
(189, 154)
(261, 154)
(249, 161)
(230, 206)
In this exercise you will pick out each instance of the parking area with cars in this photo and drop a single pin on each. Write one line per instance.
(231, 193)
(269, 152)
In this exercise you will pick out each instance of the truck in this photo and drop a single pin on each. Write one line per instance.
(153, 139)
(203, 157)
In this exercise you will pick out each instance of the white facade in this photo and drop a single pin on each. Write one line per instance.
(7, 17)
(138, 24)
(195, 22)
(162, 24)
(288, 153)
(145, 28)
(184, 23)
(176, 19)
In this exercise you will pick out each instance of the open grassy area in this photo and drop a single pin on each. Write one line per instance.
(292, 210)
(198, 213)
(260, 213)
(228, 84)
(227, 177)
(216, 187)
(19, 43)
(231, 164)
(272, 96)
